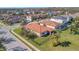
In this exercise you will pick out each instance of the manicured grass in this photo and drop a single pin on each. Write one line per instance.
(45, 43)
(18, 30)
(41, 39)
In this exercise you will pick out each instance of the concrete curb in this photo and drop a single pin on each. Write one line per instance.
(25, 42)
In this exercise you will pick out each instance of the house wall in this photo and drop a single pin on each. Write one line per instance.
(63, 26)
(57, 20)
(39, 34)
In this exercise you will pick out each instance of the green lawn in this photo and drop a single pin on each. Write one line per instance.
(45, 43)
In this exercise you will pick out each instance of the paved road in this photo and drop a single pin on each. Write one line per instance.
(14, 44)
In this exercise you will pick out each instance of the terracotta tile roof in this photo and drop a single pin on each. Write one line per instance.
(49, 23)
(37, 27)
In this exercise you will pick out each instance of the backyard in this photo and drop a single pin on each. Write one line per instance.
(46, 43)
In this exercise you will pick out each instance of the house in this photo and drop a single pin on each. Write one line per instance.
(38, 29)
(54, 13)
(1, 17)
(63, 20)
(36, 16)
(29, 18)
(14, 19)
(26, 19)
(5, 16)
(50, 24)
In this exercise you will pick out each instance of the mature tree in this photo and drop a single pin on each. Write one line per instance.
(55, 36)
(74, 26)
(73, 29)
(32, 36)
(24, 32)
(77, 22)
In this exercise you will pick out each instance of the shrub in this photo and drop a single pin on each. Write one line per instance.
(32, 36)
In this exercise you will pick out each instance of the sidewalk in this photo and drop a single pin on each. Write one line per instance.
(25, 42)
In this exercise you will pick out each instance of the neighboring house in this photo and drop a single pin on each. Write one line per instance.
(14, 19)
(54, 13)
(5, 16)
(63, 20)
(75, 15)
(50, 24)
(1, 17)
(38, 29)
(28, 18)
(38, 16)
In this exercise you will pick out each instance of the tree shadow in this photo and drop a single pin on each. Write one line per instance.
(77, 33)
(41, 43)
(65, 44)
(7, 40)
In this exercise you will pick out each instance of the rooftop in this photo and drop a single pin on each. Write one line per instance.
(37, 27)
(60, 17)
(49, 23)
